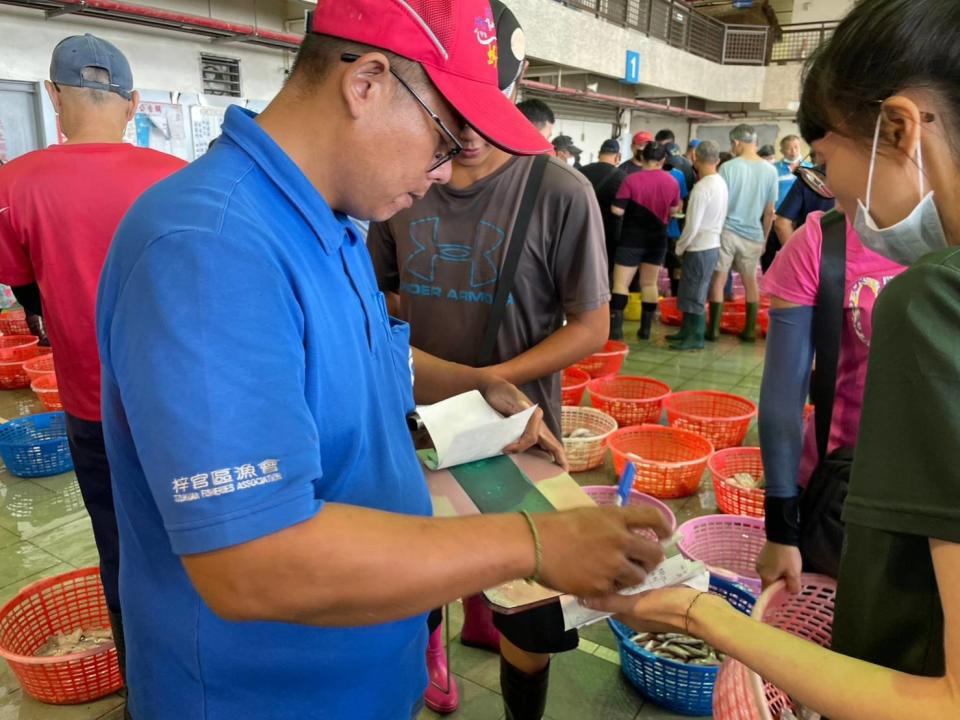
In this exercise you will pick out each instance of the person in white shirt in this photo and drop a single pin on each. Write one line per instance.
(699, 246)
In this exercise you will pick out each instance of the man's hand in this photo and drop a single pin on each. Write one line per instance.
(507, 400)
(780, 562)
(593, 552)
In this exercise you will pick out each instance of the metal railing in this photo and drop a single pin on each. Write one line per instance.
(676, 24)
(799, 41)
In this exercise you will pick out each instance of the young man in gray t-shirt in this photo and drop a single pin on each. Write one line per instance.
(440, 262)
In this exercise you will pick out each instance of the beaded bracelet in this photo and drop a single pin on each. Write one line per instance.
(686, 617)
(538, 549)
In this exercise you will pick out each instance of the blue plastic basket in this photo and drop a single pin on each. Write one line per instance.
(680, 688)
(36, 445)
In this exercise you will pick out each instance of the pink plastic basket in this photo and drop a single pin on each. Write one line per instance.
(728, 544)
(629, 400)
(741, 694)
(607, 495)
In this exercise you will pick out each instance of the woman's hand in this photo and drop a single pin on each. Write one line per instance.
(656, 611)
(780, 562)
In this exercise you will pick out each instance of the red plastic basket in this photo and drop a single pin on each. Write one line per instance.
(586, 453)
(669, 462)
(606, 362)
(40, 365)
(13, 376)
(732, 499)
(741, 694)
(47, 392)
(46, 608)
(720, 417)
(18, 347)
(607, 495)
(728, 544)
(734, 322)
(14, 322)
(669, 312)
(629, 400)
(573, 384)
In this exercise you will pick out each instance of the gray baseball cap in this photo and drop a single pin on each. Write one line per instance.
(75, 54)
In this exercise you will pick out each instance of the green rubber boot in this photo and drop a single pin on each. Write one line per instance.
(716, 315)
(694, 340)
(749, 334)
(682, 335)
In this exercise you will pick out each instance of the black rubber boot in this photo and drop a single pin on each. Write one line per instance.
(693, 341)
(684, 331)
(38, 329)
(649, 312)
(716, 315)
(524, 696)
(116, 624)
(749, 334)
(616, 324)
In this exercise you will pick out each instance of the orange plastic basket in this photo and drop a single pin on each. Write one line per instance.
(13, 376)
(46, 608)
(45, 388)
(732, 499)
(40, 365)
(741, 694)
(573, 384)
(606, 362)
(734, 321)
(588, 452)
(669, 312)
(18, 347)
(669, 462)
(629, 400)
(720, 417)
(14, 322)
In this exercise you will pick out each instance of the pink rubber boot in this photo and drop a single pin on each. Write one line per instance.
(478, 629)
(440, 697)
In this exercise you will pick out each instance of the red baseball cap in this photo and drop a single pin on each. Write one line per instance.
(456, 43)
(642, 138)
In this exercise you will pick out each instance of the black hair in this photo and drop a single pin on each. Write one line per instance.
(319, 54)
(767, 151)
(654, 152)
(665, 136)
(725, 157)
(879, 49)
(537, 112)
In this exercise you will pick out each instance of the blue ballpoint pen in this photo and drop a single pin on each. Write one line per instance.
(626, 483)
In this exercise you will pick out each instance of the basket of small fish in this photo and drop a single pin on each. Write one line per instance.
(738, 481)
(585, 433)
(741, 694)
(676, 671)
(55, 636)
(573, 385)
(727, 544)
(629, 400)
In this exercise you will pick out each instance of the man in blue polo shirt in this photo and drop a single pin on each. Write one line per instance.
(791, 158)
(278, 557)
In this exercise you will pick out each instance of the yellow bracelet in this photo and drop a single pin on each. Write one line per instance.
(686, 617)
(538, 548)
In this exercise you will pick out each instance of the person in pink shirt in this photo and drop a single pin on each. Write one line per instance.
(789, 446)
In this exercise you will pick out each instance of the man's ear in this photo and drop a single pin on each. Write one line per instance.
(365, 83)
(53, 95)
(133, 105)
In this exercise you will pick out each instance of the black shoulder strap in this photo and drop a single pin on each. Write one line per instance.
(508, 272)
(828, 323)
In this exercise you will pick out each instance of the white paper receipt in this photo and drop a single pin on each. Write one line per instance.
(675, 571)
(465, 428)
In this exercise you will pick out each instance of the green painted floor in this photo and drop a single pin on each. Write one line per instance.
(44, 530)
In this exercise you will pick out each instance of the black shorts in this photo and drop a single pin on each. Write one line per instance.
(650, 253)
(539, 630)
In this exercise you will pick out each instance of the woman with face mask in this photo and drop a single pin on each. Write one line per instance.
(881, 106)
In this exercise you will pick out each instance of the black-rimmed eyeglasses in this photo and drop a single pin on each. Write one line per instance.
(455, 147)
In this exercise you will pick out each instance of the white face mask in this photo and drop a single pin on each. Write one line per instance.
(918, 234)
(793, 160)
(571, 161)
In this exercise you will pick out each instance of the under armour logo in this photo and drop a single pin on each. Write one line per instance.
(429, 250)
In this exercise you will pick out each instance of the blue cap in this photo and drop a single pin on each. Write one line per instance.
(610, 147)
(694, 144)
(74, 55)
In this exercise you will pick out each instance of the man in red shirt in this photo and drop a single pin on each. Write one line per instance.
(59, 209)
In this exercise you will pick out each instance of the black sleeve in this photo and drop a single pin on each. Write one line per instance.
(29, 297)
